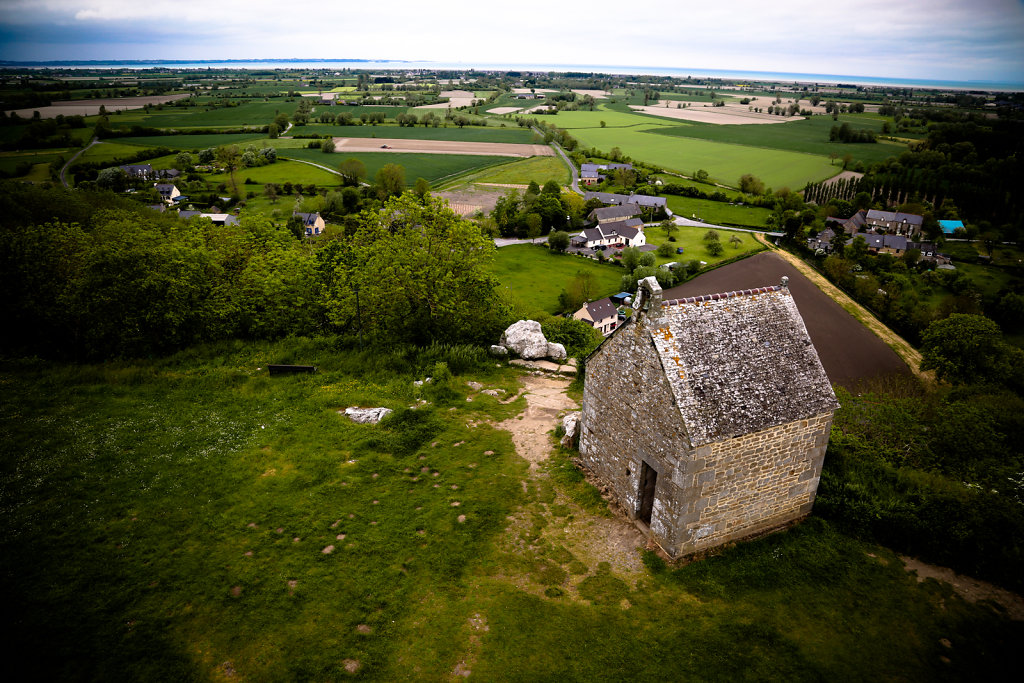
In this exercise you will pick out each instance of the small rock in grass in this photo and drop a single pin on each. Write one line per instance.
(351, 515)
(336, 523)
(376, 502)
(296, 539)
(375, 475)
(462, 519)
(351, 665)
(424, 469)
(340, 537)
(328, 550)
(421, 532)
(363, 628)
(456, 503)
(475, 386)
(455, 487)
(236, 591)
(279, 529)
(458, 443)
(373, 523)
(437, 474)
(437, 486)
(248, 553)
(252, 525)
(488, 452)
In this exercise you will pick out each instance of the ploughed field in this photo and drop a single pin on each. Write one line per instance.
(849, 351)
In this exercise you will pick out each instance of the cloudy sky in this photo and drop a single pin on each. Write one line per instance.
(979, 40)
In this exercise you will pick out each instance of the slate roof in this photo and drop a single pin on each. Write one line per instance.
(894, 217)
(307, 218)
(739, 362)
(613, 213)
(601, 309)
(882, 241)
(604, 167)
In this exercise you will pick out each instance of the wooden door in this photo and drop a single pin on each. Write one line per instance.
(648, 481)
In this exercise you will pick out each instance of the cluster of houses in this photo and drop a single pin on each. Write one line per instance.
(616, 226)
(147, 172)
(590, 174)
(885, 232)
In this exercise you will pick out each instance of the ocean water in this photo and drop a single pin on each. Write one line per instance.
(678, 72)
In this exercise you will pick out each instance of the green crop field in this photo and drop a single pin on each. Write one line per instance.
(809, 136)
(105, 151)
(249, 114)
(194, 142)
(522, 172)
(191, 518)
(534, 276)
(432, 167)
(9, 161)
(512, 134)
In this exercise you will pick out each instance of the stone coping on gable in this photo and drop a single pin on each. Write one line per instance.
(723, 295)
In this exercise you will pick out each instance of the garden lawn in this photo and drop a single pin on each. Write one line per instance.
(719, 212)
(435, 168)
(695, 248)
(534, 276)
(192, 518)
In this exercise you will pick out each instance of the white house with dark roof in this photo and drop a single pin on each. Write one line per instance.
(628, 233)
(168, 192)
(640, 201)
(601, 314)
(708, 417)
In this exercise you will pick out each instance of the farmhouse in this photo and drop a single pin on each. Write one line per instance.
(709, 416)
(851, 225)
(312, 222)
(602, 314)
(611, 214)
(215, 218)
(822, 241)
(641, 201)
(901, 223)
(590, 173)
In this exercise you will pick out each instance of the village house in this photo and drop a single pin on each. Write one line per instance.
(168, 192)
(590, 173)
(601, 314)
(313, 223)
(897, 245)
(901, 223)
(215, 218)
(822, 241)
(628, 233)
(708, 417)
(641, 202)
(612, 214)
(851, 225)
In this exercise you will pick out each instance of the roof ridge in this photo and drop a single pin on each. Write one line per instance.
(723, 295)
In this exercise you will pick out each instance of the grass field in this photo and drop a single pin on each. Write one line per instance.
(433, 167)
(106, 151)
(9, 160)
(521, 172)
(719, 212)
(535, 276)
(514, 135)
(281, 171)
(170, 520)
(691, 239)
(637, 136)
(194, 142)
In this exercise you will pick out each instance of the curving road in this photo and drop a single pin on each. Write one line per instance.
(64, 170)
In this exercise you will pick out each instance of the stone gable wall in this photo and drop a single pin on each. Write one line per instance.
(753, 483)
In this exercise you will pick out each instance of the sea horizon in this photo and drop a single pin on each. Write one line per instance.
(617, 70)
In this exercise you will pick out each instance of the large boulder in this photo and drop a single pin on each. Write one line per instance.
(367, 415)
(556, 351)
(525, 339)
(499, 351)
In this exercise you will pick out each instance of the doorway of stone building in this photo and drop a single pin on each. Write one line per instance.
(648, 480)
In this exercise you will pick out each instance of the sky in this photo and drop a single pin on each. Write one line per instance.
(951, 40)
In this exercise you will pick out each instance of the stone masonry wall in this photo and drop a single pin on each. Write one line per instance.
(629, 417)
(753, 483)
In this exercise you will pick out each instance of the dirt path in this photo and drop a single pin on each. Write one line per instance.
(901, 346)
(971, 590)
(545, 401)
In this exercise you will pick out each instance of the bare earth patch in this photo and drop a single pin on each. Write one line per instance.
(971, 590)
(596, 94)
(469, 199)
(500, 149)
(730, 114)
(503, 110)
(545, 399)
(456, 98)
(853, 175)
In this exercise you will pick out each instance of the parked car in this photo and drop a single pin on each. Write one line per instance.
(679, 250)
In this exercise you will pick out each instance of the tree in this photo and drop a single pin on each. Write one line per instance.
(422, 188)
(183, 161)
(207, 156)
(669, 227)
(551, 187)
(229, 157)
(390, 181)
(558, 241)
(715, 248)
(701, 176)
(750, 184)
(113, 179)
(352, 171)
(711, 236)
(630, 258)
(964, 349)
(735, 241)
(534, 225)
(273, 131)
(327, 146)
(665, 249)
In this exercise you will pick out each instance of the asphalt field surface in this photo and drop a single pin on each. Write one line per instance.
(849, 351)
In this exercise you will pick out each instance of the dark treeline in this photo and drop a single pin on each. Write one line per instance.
(90, 275)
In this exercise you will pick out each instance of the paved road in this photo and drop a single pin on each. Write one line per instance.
(574, 185)
(64, 170)
(313, 163)
(688, 223)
